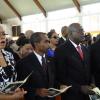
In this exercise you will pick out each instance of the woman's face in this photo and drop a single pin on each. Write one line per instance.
(26, 49)
(54, 39)
(2, 39)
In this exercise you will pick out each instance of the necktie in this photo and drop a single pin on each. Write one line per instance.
(80, 52)
(44, 64)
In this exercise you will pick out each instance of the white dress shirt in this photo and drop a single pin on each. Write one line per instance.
(39, 57)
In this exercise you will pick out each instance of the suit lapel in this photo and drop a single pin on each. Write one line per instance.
(36, 62)
(73, 50)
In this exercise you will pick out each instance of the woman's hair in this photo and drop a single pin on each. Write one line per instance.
(50, 34)
(23, 41)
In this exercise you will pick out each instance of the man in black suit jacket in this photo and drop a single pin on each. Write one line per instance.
(64, 31)
(95, 60)
(43, 76)
(72, 67)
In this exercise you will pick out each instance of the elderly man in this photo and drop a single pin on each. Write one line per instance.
(73, 65)
(64, 31)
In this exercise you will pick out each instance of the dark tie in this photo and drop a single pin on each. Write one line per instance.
(80, 52)
(44, 66)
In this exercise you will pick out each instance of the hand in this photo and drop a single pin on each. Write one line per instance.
(19, 93)
(87, 90)
(92, 85)
(42, 92)
(62, 86)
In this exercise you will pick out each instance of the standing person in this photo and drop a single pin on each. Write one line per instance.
(95, 60)
(73, 65)
(25, 48)
(28, 34)
(42, 77)
(54, 38)
(64, 32)
(7, 70)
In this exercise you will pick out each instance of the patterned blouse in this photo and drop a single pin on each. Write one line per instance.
(7, 73)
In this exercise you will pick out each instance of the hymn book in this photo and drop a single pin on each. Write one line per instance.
(55, 92)
(12, 86)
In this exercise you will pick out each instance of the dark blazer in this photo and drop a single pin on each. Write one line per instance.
(72, 70)
(39, 79)
(61, 41)
(95, 60)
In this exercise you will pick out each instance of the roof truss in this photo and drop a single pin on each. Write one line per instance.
(13, 9)
(40, 7)
(77, 4)
(0, 20)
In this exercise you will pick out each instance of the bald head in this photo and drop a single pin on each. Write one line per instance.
(28, 33)
(76, 32)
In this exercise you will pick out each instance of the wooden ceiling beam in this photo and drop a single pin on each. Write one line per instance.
(40, 7)
(77, 4)
(13, 9)
(0, 21)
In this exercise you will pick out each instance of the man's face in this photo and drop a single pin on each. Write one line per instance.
(43, 45)
(65, 33)
(2, 39)
(78, 35)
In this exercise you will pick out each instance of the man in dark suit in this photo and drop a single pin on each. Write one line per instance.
(64, 37)
(73, 65)
(42, 77)
(95, 60)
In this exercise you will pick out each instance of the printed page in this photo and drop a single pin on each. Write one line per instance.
(14, 85)
(54, 92)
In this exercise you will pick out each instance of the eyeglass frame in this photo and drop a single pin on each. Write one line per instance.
(55, 37)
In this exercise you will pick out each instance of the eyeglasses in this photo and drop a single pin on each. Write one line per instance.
(55, 37)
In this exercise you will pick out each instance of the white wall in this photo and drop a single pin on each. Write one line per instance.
(89, 18)
(9, 23)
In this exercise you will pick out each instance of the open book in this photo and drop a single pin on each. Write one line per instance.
(96, 96)
(96, 90)
(14, 85)
(55, 92)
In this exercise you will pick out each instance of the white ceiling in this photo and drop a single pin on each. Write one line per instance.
(28, 7)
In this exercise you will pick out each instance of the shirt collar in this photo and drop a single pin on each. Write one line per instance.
(74, 44)
(64, 38)
(39, 57)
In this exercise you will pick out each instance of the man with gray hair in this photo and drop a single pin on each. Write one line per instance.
(28, 33)
(73, 65)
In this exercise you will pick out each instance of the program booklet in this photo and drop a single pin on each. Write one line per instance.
(55, 92)
(96, 96)
(96, 90)
(14, 85)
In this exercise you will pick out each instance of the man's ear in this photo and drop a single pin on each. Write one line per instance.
(36, 44)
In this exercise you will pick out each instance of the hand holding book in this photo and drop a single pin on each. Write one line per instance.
(96, 90)
(55, 92)
(11, 87)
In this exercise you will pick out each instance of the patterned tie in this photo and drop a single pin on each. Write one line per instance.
(80, 52)
(44, 66)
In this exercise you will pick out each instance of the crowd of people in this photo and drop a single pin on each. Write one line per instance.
(70, 60)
